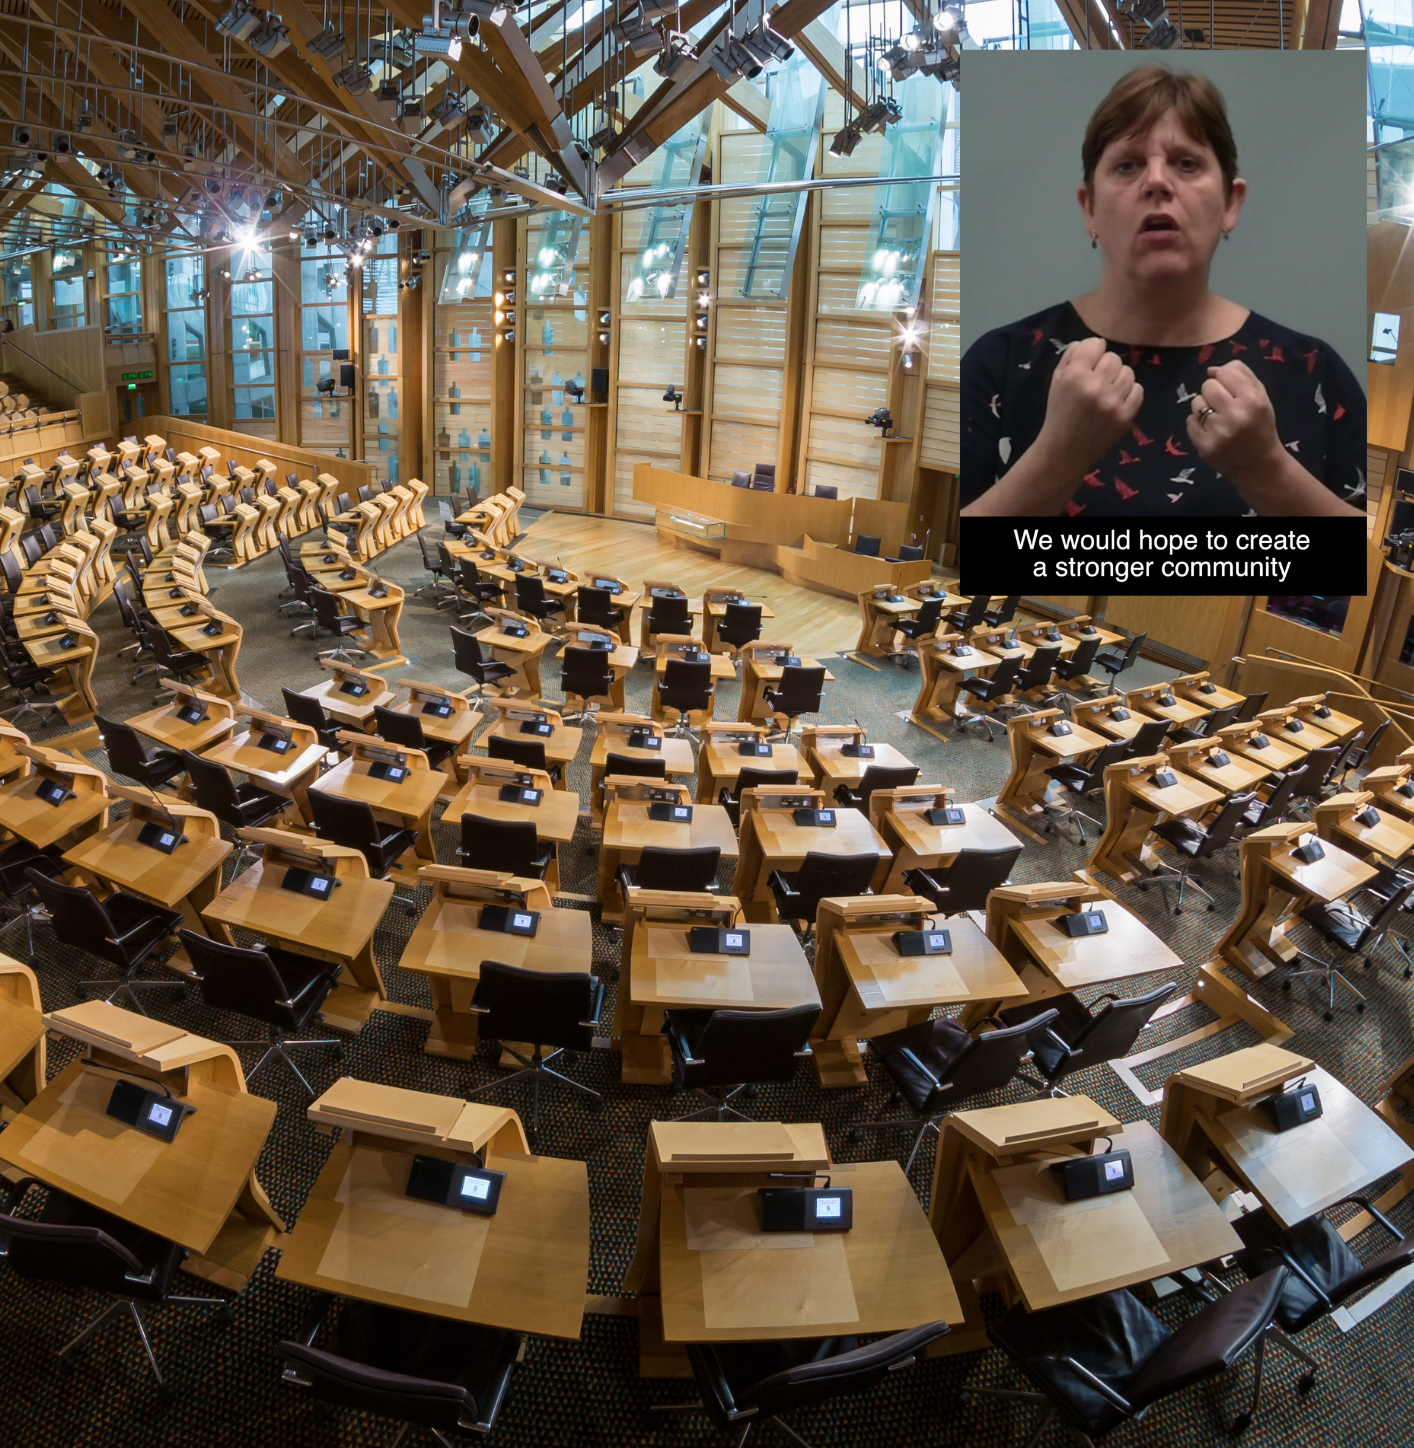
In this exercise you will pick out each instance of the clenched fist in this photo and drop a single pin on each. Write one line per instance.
(1093, 401)
(1239, 437)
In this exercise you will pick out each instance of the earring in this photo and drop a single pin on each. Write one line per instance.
(1227, 236)
(1094, 241)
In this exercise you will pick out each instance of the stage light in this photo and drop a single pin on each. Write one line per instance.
(240, 22)
(678, 50)
(846, 140)
(329, 46)
(635, 32)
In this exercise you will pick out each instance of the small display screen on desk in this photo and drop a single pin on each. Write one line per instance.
(515, 630)
(557, 575)
(807, 1209)
(160, 838)
(1260, 741)
(153, 1112)
(960, 650)
(442, 708)
(455, 1184)
(1166, 701)
(1321, 712)
(1219, 758)
(518, 794)
(1060, 729)
(858, 751)
(66, 641)
(191, 714)
(819, 818)
(1207, 687)
(378, 590)
(211, 629)
(1164, 779)
(1294, 725)
(52, 792)
(665, 593)
(923, 942)
(173, 592)
(187, 610)
(946, 816)
(507, 921)
(754, 749)
(710, 940)
(1308, 850)
(347, 573)
(595, 641)
(641, 739)
(275, 743)
(608, 585)
(393, 773)
(788, 661)
(678, 814)
(1083, 922)
(306, 882)
(354, 688)
(536, 726)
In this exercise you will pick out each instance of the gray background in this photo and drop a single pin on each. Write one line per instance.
(1297, 254)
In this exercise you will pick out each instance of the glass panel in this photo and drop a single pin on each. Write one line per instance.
(185, 275)
(462, 266)
(124, 276)
(125, 311)
(186, 336)
(1325, 614)
(188, 386)
(252, 366)
(324, 329)
(1384, 337)
(250, 299)
(69, 302)
(255, 405)
(664, 229)
(552, 246)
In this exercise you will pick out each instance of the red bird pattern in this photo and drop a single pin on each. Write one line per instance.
(1167, 412)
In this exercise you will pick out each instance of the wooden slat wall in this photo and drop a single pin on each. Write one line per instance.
(940, 409)
(463, 335)
(649, 350)
(746, 374)
(1378, 469)
(848, 352)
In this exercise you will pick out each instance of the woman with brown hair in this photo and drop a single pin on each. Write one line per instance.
(1153, 396)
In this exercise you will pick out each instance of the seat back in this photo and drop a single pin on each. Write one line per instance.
(233, 979)
(1113, 1029)
(326, 608)
(125, 752)
(926, 620)
(686, 684)
(1001, 680)
(910, 552)
(628, 764)
(1251, 706)
(1110, 754)
(466, 652)
(664, 869)
(1131, 653)
(1040, 666)
(396, 728)
(215, 788)
(1312, 773)
(741, 478)
(799, 690)
(1148, 737)
(545, 1008)
(431, 559)
(528, 753)
(586, 673)
(595, 605)
(750, 778)
(824, 490)
(77, 915)
(991, 1061)
(347, 822)
(972, 615)
(73, 1255)
(742, 624)
(1277, 801)
(669, 616)
(1007, 610)
(1357, 756)
(867, 545)
(1220, 719)
(120, 591)
(826, 877)
(737, 1047)
(405, 1399)
(489, 844)
(1081, 660)
(1220, 832)
(1385, 917)
(884, 776)
(304, 710)
(530, 592)
(764, 473)
(972, 876)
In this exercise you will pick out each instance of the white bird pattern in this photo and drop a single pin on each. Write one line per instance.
(1184, 395)
(996, 405)
(1185, 477)
(1320, 401)
(1004, 448)
(1357, 488)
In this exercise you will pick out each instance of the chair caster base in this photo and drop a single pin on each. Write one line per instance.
(854, 1136)
(225, 1315)
(1240, 1424)
(166, 1395)
(1305, 1383)
(1359, 1007)
(1328, 1015)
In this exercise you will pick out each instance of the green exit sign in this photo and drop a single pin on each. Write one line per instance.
(138, 376)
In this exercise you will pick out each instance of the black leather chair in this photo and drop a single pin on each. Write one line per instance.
(1355, 934)
(1263, 812)
(406, 731)
(937, 1064)
(686, 687)
(278, 987)
(466, 653)
(730, 798)
(1003, 681)
(1034, 678)
(27, 679)
(875, 776)
(16, 888)
(1149, 738)
(1311, 775)
(528, 753)
(128, 756)
(1357, 753)
(1207, 727)
(184, 665)
(546, 1008)
(1196, 842)
(472, 588)
(668, 616)
(122, 930)
(1325, 1272)
(657, 868)
(1005, 612)
(1082, 1035)
(1078, 665)
(867, 545)
(352, 823)
(1079, 781)
(628, 764)
(744, 1384)
(585, 675)
(304, 710)
(820, 877)
(81, 1247)
(1251, 706)
(1115, 661)
(532, 599)
(1104, 1360)
(797, 693)
(718, 1054)
(966, 883)
(435, 563)
(428, 1372)
(923, 625)
(512, 845)
(596, 606)
(741, 625)
(341, 625)
(741, 478)
(242, 806)
(964, 620)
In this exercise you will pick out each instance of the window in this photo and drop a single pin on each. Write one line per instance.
(252, 344)
(463, 337)
(1384, 336)
(18, 293)
(69, 307)
(1326, 615)
(382, 404)
(326, 420)
(122, 286)
(185, 299)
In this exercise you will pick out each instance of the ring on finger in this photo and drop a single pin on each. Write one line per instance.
(1205, 413)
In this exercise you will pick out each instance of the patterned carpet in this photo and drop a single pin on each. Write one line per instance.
(565, 1395)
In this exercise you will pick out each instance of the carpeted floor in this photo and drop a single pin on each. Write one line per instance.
(588, 1393)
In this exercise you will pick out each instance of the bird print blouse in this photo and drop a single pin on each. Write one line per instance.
(1155, 470)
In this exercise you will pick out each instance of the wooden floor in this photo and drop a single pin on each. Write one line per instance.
(813, 623)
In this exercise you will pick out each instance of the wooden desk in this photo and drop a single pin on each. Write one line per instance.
(1200, 690)
(289, 773)
(761, 669)
(1237, 776)
(380, 613)
(1134, 804)
(41, 824)
(351, 695)
(613, 738)
(1274, 754)
(719, 763)
(406, 803)
(714, 613)
(719, 667)
(867, 988)
(625, 599)
(221, 652)
(1392, 789)
(1212, 1119)
(881, 610)
(771, 840)
(1034, 750)
(1149, 701)
(652, 591)
(1100, 716)
(338, 930)
(525, 1269)
(821, 748)
(185, 880)
(199, 1189)
(22, 1038)
(448, 946)
(1390, 839)
(944, 670)
(522, 654)
(664, 974)
(628, 830)
(1316, 711)
(1276, 887)
(555, 817)
(72, 652)
(619, 657)
(1021, 924)
(901, 820)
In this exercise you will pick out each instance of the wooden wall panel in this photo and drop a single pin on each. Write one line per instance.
(185, 435)
(1341, 652)
(941, 428)
(1208, 628)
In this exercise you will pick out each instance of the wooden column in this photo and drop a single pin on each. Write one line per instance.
(414, 368)
(507, 254)
(598, 486)
(284, 265)
(219, 410)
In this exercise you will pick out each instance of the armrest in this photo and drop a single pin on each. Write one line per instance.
(921, 1068)
(678, 1041)
(128, 934)
(1089, 1379)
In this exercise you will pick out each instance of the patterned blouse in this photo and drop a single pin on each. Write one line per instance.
(1154, 471)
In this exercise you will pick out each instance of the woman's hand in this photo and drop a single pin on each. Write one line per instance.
(1238, 438)
(1093, 401)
